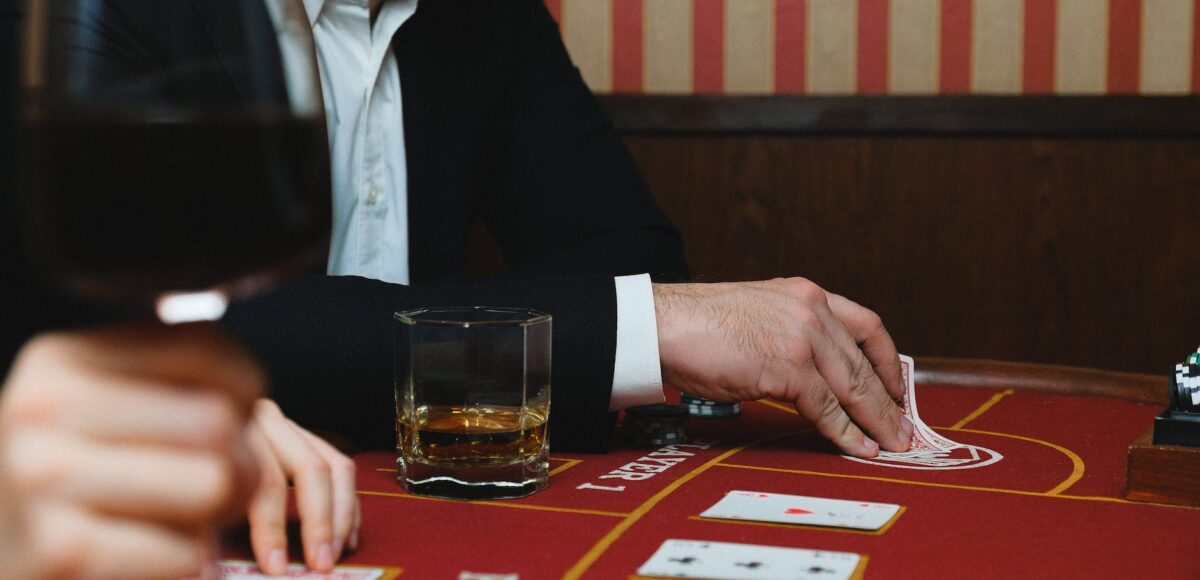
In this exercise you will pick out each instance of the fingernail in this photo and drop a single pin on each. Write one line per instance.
(212, 571)
(277, 561)
(337, 548)
(353, 542)
(906, 428)
(325, 556)
(871, 445)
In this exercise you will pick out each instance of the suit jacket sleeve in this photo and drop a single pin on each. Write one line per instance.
(327, 344)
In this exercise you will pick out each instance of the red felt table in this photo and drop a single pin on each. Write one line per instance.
(1051, 508)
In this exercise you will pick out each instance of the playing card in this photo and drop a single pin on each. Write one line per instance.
(799, 509)
(924, 438)
(240, 570)
(725, 561)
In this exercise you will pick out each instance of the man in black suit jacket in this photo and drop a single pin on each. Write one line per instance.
(499, 125)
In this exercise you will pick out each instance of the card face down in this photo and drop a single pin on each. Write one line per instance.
(799, 509)
(726, 561)
(240, 570)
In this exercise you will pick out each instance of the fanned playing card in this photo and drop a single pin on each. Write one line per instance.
(924, 439)
(727, 561)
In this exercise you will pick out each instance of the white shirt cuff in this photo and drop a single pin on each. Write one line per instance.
(637, 375)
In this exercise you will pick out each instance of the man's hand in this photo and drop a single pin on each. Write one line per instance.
(120, 449)
(790, 340)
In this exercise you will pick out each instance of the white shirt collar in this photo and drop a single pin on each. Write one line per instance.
(313, 8)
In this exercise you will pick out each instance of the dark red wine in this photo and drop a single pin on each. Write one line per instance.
(124, 209)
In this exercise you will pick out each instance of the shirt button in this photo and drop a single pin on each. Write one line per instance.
(372, 196)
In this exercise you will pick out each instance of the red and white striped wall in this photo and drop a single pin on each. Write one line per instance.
(884, 46)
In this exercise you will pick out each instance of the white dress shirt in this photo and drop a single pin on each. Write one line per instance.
(361, 81)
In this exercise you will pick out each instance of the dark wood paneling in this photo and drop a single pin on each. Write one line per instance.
(1162, 473)
(1066, 251)
(1157, 116)
(989, 374)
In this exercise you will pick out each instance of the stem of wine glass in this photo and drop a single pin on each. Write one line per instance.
(183, 307)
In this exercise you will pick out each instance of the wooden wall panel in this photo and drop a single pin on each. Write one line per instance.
(1064, 251)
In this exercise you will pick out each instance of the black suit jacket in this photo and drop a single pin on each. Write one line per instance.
(499, 125)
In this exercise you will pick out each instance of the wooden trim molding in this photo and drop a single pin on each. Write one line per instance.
(1150, 389)
(1051, 116)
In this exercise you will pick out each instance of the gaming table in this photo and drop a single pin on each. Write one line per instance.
(1045, 499)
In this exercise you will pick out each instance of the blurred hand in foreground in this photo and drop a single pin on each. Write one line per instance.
(121, 450)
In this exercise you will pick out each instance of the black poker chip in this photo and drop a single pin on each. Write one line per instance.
(709, 409)
(661, 424)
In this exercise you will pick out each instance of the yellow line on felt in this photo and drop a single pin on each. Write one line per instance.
(613, 535)
(778, 405)
(927, 483)
(878, 532)
(1077, 467)
(565, 466)
(519, 506)
(860, 571)
(982, 409)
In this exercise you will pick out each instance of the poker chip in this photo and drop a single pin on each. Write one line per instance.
(708, 409)
(1185, 388)
(1194, 358)
(661, 424)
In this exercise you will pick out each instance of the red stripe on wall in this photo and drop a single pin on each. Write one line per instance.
(1041, 24)
(872, 46)
(790, 38)
(708, 52)
(1196, 48)
(627, 46)
(555, 7)
(1124, 45)
(956, 46)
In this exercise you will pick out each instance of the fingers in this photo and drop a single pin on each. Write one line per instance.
(859, 390)
(346, 513)
(873, 340)
(73, 543)
(185, 489)
(198, 354)
(107, 407)
(313, 481)
(267, 512)
(817, 402)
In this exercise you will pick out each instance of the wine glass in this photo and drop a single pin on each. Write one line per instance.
(176, 152)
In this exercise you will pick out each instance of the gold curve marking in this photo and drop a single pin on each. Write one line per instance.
(982, 409)
(1077, 467)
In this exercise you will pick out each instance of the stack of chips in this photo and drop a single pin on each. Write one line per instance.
(661, 424)
(1186, 386)
(698, 407)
